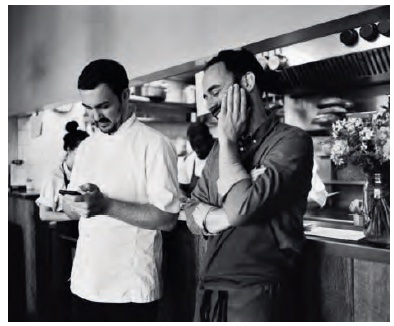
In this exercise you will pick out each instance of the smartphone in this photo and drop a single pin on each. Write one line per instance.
(69, 192)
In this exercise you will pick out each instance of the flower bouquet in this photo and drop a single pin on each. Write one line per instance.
(366, 143)
(363, 142)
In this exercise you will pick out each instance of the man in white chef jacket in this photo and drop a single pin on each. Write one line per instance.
(127, 177)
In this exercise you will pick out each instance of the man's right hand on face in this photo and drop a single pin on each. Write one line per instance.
(233, 114)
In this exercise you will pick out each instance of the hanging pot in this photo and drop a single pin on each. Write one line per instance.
(277, 61)
(263, 59)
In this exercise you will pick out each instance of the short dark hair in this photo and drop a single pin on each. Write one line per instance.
(198, 128)
(74, 136)
(239, 62)
(104, 71)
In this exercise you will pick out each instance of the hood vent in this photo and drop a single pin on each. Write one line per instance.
(354, 69)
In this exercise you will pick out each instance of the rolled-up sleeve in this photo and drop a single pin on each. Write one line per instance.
(49, 195)
(232, 174)
(161, 174)
(285, 171)
(200, 195)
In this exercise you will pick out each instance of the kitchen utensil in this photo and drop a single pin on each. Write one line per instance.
(326, 119)
(138, 98)
(154, 93)
(334, 102)
(369, 32)
(17, 174)
(330, 194)
(384, 27)
(349, 37)
(334, 109)
(174, 90)
(277, 61)
(263, 58)
(189, 94)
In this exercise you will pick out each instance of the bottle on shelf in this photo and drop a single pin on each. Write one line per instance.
(377, 211)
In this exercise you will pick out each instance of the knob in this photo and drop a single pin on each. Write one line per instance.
(384, 27)
(349, 37)
(369, 32)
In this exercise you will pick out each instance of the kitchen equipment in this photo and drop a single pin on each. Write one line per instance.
(18, 176)
(189, 94)
(369, 32)
(29, 184)
(277, 61)
(335, 102)
(263, 58)
(384, 27)
(325, 119)
(153, 92)
(138, 98)
(335, 110)
(174, 90)
(349, 37)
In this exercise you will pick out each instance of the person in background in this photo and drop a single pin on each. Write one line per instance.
(250, 199)
(318, 193)
(49, 200)
(190, 166)
(127, 175)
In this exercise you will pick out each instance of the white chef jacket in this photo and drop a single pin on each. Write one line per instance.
(49, 193)
(116, 262)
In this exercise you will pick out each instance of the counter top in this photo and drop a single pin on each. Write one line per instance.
(341, 248)
(360, 249)
(27, 194)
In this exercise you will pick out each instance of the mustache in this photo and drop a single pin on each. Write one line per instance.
(215, 109)
(103, 120)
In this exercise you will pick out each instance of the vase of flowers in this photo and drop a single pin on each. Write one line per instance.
(366, 142)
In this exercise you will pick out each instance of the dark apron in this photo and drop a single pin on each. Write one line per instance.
(259, 302)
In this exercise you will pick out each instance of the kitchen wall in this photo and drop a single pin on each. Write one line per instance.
(43, 153)
(49, 45)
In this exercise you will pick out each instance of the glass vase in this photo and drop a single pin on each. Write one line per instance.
(376, 210)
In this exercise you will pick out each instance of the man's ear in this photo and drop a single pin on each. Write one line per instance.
(248, 81)
(126, 95)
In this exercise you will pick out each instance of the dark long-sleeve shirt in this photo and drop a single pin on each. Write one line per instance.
(278, 159)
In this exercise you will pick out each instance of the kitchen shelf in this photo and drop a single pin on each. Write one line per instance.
(170, 106)
(163, 112)
(344, 182)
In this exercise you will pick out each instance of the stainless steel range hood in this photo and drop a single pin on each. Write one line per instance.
(359, 68)
(326, 64)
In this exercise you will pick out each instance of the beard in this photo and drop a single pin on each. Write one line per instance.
(108, 126)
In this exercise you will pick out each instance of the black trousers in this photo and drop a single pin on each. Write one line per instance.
(88, 311)
(260, 302)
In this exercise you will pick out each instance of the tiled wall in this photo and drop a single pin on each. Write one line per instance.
(12, 139)
(42, 154)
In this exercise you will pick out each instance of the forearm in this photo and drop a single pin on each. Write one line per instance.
(54, 216)
(144, 216)
(216, 220)
(231, 169)
(70, 212)
(47, 214)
